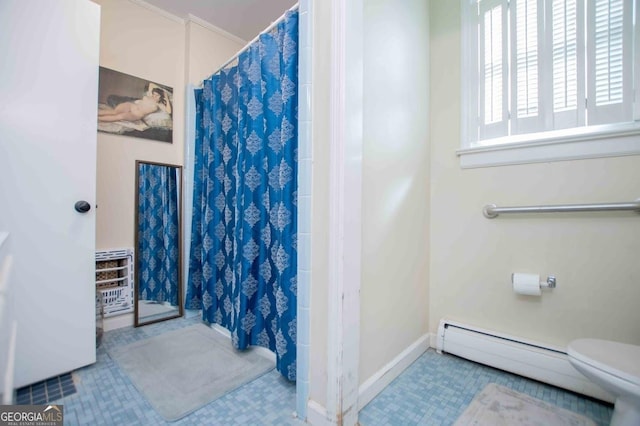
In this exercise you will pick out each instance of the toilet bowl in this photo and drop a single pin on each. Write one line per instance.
(615, 367)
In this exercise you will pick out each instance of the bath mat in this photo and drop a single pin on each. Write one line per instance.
(183, 370)
(497, 405)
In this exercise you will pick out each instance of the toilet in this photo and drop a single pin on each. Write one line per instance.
(615, 367)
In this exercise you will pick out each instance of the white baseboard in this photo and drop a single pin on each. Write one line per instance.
(317, 414)
(433, 340)
(265, 352)
(118, 321)
(383, 377)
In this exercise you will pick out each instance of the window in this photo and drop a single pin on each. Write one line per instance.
(550, 72)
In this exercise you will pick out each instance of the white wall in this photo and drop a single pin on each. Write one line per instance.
(152, 45)
(140, 42)
(207, 50)
(395, 198)
(593, 255)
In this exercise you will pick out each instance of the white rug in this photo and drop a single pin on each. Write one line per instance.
(497, 405)
(183, 370)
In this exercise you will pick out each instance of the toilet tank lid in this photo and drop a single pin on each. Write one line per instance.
(619, 359)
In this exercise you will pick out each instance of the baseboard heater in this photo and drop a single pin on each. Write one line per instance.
(529, 359)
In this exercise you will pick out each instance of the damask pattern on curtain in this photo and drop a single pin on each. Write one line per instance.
(243, 265)
(158, 233)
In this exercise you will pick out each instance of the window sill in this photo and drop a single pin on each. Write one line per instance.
(597, 142)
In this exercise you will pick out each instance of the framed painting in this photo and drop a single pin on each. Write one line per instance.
(132, 106)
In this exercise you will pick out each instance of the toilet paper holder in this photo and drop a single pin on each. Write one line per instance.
(551, 282)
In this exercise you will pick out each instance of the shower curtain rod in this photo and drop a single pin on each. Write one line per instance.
(273, 24)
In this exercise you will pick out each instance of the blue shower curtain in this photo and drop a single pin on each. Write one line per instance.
(243, 265)
(158, 233)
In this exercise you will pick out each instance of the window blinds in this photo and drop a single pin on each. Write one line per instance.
(493, 69)
(539, 60)
(526, 40)
(526, 58)
(567, 56)
(609, 68)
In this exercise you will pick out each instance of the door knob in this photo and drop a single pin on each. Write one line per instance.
(82, 206)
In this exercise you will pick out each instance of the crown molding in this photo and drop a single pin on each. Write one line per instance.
(159, 11)
(218, 30)
(190, 18)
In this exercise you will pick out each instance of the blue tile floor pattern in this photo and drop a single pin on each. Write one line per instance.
(46, 391)
(106, 396)
(434, 390)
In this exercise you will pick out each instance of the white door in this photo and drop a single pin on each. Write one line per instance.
(48, 108)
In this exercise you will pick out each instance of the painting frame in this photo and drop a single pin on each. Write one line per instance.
(134, 107)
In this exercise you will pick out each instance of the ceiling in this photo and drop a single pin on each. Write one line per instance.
(242, 18)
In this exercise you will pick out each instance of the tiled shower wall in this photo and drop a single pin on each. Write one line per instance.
(304, 205)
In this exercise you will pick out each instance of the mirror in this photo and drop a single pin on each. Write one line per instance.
(158, 285)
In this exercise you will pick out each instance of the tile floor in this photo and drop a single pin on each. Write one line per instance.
(434, 390)
(105, 395)
(46, 391)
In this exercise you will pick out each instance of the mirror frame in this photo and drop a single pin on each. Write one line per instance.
(136, 319)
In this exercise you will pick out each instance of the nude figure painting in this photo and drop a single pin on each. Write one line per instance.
(132, 106)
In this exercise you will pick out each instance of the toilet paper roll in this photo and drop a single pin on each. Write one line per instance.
(527, 284)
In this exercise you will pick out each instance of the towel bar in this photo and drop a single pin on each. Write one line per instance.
(491, 211)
